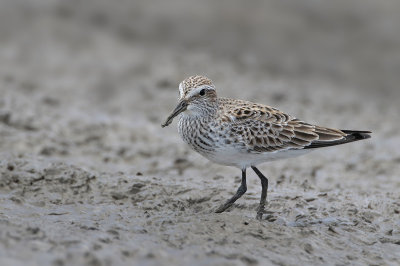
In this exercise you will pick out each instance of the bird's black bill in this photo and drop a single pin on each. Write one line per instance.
(179, 109)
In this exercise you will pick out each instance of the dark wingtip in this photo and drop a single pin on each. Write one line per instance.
(357, 134)
(351, 135)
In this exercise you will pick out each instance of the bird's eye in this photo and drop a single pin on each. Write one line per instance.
(202, 92)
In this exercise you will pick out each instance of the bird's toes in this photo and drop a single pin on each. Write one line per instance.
(260, 211)
(222, 208)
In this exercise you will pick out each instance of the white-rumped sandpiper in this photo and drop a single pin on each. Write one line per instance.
(244, 134)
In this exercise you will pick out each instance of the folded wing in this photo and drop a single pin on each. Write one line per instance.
(265, 129)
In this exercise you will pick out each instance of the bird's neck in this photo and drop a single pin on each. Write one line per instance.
(206, 111)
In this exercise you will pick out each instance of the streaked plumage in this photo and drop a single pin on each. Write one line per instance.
(244, 134)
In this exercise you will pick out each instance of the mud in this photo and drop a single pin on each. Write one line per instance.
(89, 177)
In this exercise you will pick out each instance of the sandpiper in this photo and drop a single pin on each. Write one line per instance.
(244, 134)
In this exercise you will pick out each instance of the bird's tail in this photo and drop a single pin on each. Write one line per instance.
(351, 135)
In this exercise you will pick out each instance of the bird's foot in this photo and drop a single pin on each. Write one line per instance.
(259, 215)
(260, 211)
(223, 207)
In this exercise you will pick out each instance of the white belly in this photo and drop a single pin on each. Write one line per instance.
(243, 159)
(212, 145)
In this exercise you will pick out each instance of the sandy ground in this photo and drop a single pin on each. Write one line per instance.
(88, 177)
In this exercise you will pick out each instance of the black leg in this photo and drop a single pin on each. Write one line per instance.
(241, 190)
(264, 189)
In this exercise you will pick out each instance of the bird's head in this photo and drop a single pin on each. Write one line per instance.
(197, 96)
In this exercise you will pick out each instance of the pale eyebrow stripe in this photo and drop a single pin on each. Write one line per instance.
(181, 92)
(197, 90)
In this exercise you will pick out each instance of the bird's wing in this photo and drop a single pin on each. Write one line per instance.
(265, 129)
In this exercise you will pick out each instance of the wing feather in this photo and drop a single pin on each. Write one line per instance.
(266, 129)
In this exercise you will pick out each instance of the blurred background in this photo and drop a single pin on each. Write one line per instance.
(121, 61)
(87, 173)
(68, 63)
(352, 43)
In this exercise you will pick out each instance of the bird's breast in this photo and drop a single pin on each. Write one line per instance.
(211, 139)
(198, 134)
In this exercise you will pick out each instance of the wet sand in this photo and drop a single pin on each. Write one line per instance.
(89, 177)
